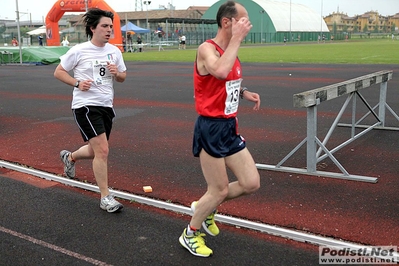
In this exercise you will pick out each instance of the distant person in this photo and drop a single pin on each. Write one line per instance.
(124, 43)
(160, 32)
(139, 44)
(183, 41)
(129, 37)
(96, 65)
(40, 39)
(285, 40)
(180, 42)
(393, 37)
(14, 42)
(65, 41)
(129, 41)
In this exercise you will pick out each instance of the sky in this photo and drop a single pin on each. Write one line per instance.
(31, 8)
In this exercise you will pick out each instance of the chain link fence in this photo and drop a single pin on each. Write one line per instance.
(195, 38)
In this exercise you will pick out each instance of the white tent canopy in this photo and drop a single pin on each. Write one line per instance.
(300, 17)
(38, 31)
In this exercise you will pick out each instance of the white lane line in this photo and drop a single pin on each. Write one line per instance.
(53, 247)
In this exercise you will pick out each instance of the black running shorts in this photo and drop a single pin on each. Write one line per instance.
(94, 120)
(217, 136)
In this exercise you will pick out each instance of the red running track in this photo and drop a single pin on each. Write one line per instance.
(151, 144)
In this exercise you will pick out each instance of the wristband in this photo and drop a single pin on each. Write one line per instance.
(77, 84)
(242, 92)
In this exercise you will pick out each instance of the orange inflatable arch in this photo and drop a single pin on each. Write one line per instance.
(62, 6)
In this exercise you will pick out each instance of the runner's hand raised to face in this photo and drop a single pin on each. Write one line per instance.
(241, 27)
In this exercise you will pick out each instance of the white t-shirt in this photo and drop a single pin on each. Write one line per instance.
(89, 62)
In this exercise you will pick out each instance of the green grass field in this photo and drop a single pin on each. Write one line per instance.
(380, 51)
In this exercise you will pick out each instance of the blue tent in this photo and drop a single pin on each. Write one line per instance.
(134, 28)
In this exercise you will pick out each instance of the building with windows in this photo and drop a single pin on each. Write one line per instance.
(369, 22)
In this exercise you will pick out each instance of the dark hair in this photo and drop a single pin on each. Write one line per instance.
(227, 10)
(92, 18)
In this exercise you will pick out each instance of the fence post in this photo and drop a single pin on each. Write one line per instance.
(311, 138)
(383, 98)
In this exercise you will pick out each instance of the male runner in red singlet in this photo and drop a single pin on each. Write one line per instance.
(217, 90)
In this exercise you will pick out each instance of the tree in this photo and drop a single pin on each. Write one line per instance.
(335, 28)
(24, 30)
(365, 28)
(375, 28)
(393, 27)
(345, 28)
(356, 29)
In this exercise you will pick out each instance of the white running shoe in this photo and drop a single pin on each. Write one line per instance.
(109, 204)
(69, 167)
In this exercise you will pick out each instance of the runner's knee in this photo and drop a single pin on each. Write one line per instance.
(252, 184)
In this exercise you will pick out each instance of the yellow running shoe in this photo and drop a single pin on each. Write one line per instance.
(209, 224)
(195, 244)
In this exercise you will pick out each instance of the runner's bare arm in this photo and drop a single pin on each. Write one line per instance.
(61, 74)
(209, 60)
(113, 69)
(252, 97)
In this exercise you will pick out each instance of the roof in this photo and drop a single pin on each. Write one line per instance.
(29, 23)
(292, 17)
(201, 9)
(341, 15)
(162, 13)
(172, 16)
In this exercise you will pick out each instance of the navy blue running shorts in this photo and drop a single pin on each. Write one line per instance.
(217, 136)
(94, 120)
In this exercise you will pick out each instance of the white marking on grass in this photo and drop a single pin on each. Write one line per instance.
(367, 57)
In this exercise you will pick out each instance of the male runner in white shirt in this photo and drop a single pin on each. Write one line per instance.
(95, 64)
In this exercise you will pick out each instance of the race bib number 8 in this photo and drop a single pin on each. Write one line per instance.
(232, 96)
(100, 73)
